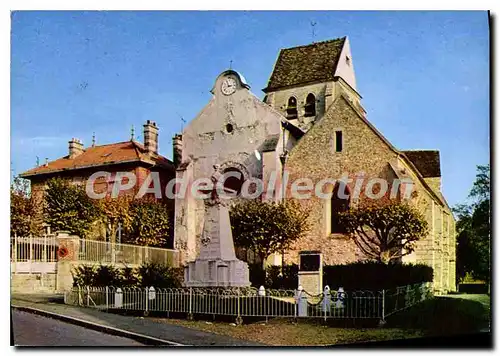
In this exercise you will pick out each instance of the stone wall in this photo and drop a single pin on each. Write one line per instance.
(279, 100)
(314, 157)
(33, 283)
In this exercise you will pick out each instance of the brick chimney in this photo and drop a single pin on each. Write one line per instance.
(75, 147)
(151, 137)
(177, 143)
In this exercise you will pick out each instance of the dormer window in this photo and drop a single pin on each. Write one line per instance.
(291, 110)
(310, 107)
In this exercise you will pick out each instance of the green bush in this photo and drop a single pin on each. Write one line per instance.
(257, 275)
(370, 275)
(274, 277)
(367, 275)
(147, 275)
(282, 278)
(107, 275)
(158, 276)
(83, 275)
(128, 277)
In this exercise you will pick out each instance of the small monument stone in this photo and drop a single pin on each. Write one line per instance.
(311, 271)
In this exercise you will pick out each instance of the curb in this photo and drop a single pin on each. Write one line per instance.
(144, 339)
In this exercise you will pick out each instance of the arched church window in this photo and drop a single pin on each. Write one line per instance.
(339, 204)
(291, 110)
(233, 180)
(310, 105)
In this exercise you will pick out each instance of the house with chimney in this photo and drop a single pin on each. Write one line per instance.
(81, 162)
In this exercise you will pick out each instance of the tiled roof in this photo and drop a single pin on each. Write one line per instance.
(129, 151)
(294, 130)
(304, 64)
(426, 161)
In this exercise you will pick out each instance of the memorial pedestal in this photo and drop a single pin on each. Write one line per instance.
(216, 265)
(311, 271)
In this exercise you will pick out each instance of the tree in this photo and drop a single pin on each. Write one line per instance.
(25, 211)
(114, 211)
(474, 230)
(385, 232)
(150, 222)
(67, 207)
(267, 227)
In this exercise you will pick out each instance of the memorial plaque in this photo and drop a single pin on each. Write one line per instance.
(310, 262)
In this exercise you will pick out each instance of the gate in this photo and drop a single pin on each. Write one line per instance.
(33, 254)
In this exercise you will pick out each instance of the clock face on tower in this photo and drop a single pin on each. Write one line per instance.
(228, 86)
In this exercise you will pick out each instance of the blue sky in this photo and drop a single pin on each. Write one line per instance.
(424, 76)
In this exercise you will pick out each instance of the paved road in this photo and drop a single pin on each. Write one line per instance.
(35, 330)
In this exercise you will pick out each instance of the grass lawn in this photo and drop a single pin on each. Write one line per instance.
(439, 316)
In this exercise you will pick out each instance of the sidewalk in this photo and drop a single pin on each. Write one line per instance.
(138, 325)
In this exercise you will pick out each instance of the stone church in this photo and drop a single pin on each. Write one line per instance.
(310, 124)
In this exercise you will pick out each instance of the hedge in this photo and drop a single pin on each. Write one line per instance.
(146, 275)
(375, 275)
(274, 277)
(354, 276)
(366, 275)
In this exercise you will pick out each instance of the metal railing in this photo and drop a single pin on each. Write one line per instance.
(30, 254)
(252, 302)
(36, 249)
(399, 298)
(29, 251)
(116, 253)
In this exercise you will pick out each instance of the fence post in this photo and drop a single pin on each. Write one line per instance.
(44, 258)
(147, 301)
(107, 303)
(326, 301)
(113, 253)
(79, 296)
(239, 320)
(31, 252)
(88, 296)
(190, 314)
(382, 321)
(15, 253)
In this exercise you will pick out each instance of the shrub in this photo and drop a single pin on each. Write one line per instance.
(158, 276)
(107, 275)
(282, 278)
(257, 275)
(147, 275)
(370, 275)
(274, 277)
(128, 277)
(83, 275)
